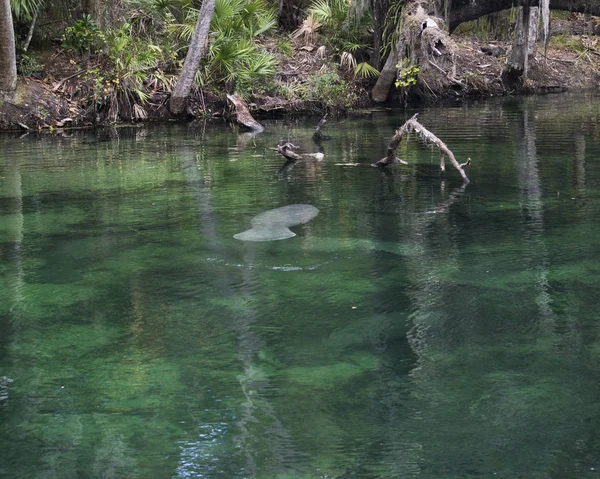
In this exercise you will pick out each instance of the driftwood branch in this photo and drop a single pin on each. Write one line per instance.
(413, 125)
(243, 115)
(287, 151)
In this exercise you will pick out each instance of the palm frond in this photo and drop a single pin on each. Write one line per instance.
(348, 61)
(364, 70)
(307, 31)
(25, 9)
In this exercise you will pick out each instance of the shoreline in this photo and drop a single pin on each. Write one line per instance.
(51, 102)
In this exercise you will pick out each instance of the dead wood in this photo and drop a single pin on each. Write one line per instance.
(287, 151)
(318, 134)
(243, 115)
(413, 125)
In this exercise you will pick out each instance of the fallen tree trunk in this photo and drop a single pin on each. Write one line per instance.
(413, 125)
(243, 114)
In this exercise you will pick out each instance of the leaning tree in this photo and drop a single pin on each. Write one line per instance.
(196, 52)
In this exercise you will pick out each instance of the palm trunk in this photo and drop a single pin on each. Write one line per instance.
(8, 61)
(192, 60)
(382, 88)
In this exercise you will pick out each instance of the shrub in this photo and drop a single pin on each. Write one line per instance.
(83, 36)
(329, 90)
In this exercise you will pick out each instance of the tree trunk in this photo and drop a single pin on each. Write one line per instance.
(423, 43)
(291, 13)
(8, 60)
(380, 9)
(534, 18)
(385, 80)
(192, 61)
(517, 64)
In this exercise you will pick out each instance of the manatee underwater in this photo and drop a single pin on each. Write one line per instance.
(274, 224)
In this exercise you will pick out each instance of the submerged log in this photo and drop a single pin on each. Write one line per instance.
(413, 125)
(243, 115)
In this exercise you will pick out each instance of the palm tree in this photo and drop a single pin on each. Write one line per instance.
(8, 59)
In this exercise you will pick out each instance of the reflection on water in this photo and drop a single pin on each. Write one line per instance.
(417, 327)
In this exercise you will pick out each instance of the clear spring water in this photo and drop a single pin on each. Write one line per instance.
(415, 328)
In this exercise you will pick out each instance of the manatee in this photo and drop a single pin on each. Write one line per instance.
(274, 224)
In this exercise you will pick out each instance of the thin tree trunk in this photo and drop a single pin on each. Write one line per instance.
(192, 61)
(31, 30)
(8, 60)
(534, 18)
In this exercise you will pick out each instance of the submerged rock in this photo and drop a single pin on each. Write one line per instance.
(274, 224)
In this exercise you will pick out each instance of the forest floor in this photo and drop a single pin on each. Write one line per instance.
(58, 96)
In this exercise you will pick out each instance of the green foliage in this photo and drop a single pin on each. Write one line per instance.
(345, 30)
(28, 65)
(330, 14)
(393, 26)
(234, 56)
(149, 17)
(407, 74)
(361, 70)
(285, 46)
(496, 26)
(25, 9)
(364, 70)
(329, 90)
(133, 60)
(135, 64)
(247, 18)
(83, 36)
(568, 42)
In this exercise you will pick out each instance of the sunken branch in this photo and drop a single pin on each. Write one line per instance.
(413, 125)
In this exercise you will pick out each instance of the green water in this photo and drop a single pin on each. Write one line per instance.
(415, 328)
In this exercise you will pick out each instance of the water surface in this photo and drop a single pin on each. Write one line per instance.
(416, 328)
